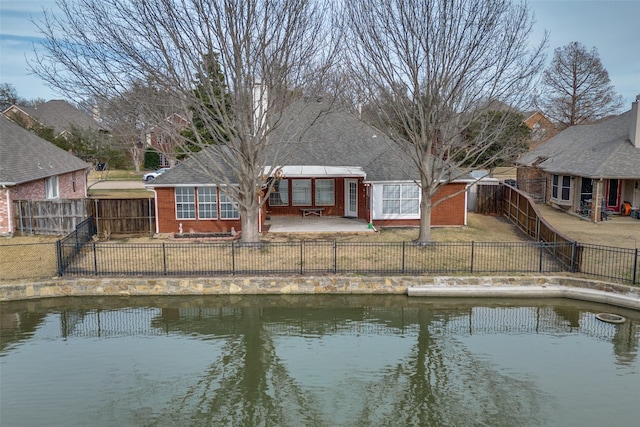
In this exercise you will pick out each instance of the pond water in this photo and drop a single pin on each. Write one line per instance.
(316, 361)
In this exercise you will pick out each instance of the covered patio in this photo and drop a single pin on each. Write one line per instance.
(315, 224)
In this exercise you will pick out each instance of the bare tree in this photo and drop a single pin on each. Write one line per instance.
(431, 68)
(577, 88)
(101, 48)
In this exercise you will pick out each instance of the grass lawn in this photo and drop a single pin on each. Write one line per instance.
(115, 175)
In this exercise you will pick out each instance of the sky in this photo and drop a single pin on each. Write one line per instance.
(611, 26)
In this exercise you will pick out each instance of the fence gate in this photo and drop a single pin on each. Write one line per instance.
(54, 217)
(123, 216)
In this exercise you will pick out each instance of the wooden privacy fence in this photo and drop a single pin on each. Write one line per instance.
(123, 216)
(522, 211)
(53, 217)
(489, 198)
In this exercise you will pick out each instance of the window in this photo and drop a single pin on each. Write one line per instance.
(207, 203)
(301, 192)
(325, 192)
(561, 188)
(280, 194)
(228, 209)
(400, 199)
(52, 187)
(185, 203)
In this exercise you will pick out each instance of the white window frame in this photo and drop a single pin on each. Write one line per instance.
(301, 192)
(228, 208)
(561, 189)
(185, 203)
(325, 187)
(207, 203)
(280, 193)
(400, 203)
(52, 187)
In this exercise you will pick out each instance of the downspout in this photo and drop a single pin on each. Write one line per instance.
(155, 202)
(9, 209)
(466, 203)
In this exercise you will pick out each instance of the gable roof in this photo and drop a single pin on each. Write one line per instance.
(600, 150)
(62, 116)
(330, 137)
(321, 139)
(26, 157)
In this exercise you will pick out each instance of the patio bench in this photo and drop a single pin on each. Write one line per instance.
(311, 211)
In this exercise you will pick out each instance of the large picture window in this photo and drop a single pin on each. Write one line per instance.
(228, 209)
(325, 192)
(52, 187)
(400, 199)
(280, 194)
(301, 192)
(185, 203)
(207, 203)
(561, 188)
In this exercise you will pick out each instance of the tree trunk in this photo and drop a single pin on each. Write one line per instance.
(424, 236)
(250, 223)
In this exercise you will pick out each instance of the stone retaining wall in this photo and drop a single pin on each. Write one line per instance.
(475, 286)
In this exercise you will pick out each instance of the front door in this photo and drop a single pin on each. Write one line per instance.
(612, 195)
(351, 197)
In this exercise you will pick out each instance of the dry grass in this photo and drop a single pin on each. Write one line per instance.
(28, 257)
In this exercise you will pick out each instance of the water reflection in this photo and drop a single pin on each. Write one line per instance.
(304, 360)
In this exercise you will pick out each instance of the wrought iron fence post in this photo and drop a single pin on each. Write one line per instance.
(540, 260)
(164, 258)
(95, 258)
(59, 257)
(403, 256)
(473, 252)
(635, 267)
(233, 257)
(301, 256)
(574, 257)
(335, 256)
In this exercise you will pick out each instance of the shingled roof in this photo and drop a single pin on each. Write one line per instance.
(319, 135)
(600, 150)
(26, 157)
(62, 116)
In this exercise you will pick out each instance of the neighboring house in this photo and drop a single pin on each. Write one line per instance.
(541, 127)
(597, 164)
(56, 114)
(341, 167)
(163, 139)
(32, 169)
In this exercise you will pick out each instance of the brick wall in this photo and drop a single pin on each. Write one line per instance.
(168, 223)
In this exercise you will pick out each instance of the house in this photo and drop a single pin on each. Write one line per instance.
(541, 127)
(340, 167)
(597, 164)
(32, 169)
(163, 139)
(59, 115)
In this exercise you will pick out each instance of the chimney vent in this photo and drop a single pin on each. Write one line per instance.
(634, 126)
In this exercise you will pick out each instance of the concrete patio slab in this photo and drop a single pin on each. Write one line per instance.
(323, 224)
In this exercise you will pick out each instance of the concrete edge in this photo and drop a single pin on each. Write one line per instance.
(590, 295)
(431, 286)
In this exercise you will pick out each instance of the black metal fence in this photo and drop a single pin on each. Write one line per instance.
(312, 257)
(71, 244)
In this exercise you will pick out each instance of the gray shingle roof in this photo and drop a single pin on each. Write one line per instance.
(600, 150)
(62, 116)
(26, 157)
(321, 136)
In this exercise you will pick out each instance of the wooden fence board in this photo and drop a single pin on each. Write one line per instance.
(123, 216)
(52, 217)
